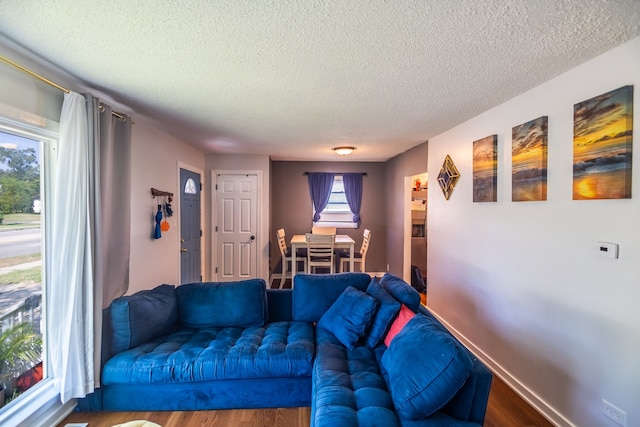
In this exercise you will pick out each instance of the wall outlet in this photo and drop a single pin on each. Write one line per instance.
(387, 267)
(614, 413)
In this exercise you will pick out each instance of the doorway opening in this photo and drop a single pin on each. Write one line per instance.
(415, 260)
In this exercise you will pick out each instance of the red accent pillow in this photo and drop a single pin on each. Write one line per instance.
(403, 318)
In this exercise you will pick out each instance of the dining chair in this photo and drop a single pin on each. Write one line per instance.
(316, 229)
(285, 254)
(360, 256)
(320, 251)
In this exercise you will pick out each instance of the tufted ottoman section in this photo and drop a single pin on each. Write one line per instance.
(348, 388)
(278, 349)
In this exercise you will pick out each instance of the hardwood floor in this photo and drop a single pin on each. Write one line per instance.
(290, 417)
(505, 409)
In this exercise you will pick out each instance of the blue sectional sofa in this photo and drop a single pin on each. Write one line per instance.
(240, 345)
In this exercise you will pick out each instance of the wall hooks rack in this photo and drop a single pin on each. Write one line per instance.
(160, 193)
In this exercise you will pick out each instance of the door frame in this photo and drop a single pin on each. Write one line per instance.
(176, 201)
(406, 220)
(263, 227)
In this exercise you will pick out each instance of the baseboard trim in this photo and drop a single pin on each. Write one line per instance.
(540, 405)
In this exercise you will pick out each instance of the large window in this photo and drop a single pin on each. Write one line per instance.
(24, 158)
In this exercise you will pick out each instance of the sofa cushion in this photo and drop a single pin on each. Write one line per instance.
(401, 291)
(398, 324)
(313, 294)
(141, 316)
(223, 304)
(349, 316)
(439, 367)
(348, 389)
(278, 349)
(388, 309)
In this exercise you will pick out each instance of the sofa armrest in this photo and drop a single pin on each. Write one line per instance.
(107, 332)
(470, 402)
(483, 378)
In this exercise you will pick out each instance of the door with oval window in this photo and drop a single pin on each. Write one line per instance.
(190, 231)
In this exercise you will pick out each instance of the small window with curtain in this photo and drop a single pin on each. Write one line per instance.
(342, 209)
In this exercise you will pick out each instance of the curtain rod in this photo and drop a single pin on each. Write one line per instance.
(50, 83)
(335, 173)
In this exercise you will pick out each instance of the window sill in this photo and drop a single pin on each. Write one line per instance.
(41, 407)
(336, 224)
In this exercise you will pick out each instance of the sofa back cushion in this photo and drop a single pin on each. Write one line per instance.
(313, 294)
(223, 304)
(438, 368)
(139, 317)
(401, 291)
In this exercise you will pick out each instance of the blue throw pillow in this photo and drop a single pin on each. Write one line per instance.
(223, 304)
(313, 294)
(425, 368)
(349, 316)
(401, 291)
(388, 309)
(139, 317)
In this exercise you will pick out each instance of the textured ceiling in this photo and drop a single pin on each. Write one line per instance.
(294, 78)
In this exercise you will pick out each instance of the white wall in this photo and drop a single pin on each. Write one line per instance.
(521, 281)
(156, 159)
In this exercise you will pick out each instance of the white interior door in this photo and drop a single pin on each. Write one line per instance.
(236, 226)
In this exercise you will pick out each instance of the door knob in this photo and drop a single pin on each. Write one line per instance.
(183, 250)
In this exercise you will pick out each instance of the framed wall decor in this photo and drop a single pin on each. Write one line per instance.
(485, 169)
(448, 177)
(529, 161)
(602, 145)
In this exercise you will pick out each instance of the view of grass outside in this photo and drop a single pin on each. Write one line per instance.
(20, 266)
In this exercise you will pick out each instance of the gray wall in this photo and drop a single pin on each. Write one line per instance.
(411, 162)
(291, 206)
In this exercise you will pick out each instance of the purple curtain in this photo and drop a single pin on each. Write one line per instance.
(320, 189)
(353, 191)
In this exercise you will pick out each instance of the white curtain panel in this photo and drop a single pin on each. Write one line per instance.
(71, 297)
(90, 238)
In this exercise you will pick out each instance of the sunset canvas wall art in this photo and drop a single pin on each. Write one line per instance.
(485, 167)
(602, 146)
(529, 161)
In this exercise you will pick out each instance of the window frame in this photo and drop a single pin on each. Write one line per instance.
(332, 215)
(37, 396)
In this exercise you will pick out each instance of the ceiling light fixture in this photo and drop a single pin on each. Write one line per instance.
(343, 151)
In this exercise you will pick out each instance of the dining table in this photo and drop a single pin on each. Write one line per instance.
(299, 241)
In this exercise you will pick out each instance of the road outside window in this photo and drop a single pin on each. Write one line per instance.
(20, 266)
